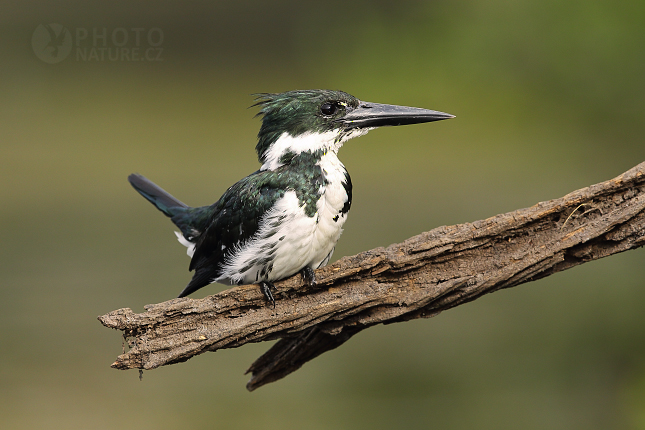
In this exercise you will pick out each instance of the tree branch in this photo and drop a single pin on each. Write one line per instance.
(418, 278)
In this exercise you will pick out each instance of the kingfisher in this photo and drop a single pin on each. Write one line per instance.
(286, 217)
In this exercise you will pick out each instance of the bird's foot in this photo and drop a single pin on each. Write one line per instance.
(266, 287)
(309, 276)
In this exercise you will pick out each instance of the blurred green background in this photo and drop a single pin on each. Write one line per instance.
(549, 97)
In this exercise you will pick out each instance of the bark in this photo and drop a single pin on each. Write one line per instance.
(418, 278)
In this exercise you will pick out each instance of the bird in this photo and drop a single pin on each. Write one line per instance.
(286, 217)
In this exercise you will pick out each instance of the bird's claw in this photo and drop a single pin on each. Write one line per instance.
(266, 287)
(309, 276)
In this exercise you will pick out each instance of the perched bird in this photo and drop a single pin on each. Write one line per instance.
(286, 217)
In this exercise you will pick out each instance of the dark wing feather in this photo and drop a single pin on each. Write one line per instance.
(235, 219)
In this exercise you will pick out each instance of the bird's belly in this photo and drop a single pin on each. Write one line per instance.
(289, 240)
(309, 242)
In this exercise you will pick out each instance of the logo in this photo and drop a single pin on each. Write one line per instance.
(52, 43)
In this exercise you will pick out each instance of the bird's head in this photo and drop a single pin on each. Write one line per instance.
(322, 120)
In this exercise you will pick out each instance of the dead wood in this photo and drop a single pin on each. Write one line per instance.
(418, 278)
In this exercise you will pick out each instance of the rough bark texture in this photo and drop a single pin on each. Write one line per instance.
(418, 278)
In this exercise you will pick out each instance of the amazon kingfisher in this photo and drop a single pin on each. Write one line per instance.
(286, 217)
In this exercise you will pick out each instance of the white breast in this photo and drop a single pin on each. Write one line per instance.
(330, 219)
(288, 239)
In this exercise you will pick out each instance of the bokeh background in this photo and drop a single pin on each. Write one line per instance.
(549, 97)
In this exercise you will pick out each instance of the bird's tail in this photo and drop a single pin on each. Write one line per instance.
(191, 221)
(162, 200)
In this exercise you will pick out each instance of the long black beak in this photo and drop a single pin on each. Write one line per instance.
(378, 115)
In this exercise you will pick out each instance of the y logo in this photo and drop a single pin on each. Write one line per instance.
(52, 43)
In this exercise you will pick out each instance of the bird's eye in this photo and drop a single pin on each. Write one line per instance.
(329, 109)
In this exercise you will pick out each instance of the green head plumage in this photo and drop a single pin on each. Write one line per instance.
(321, 120)
(298, 112)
